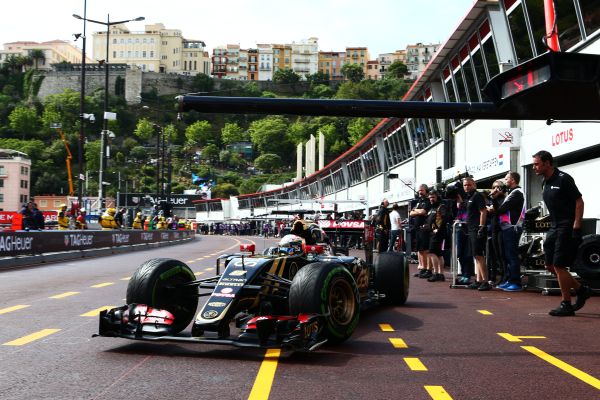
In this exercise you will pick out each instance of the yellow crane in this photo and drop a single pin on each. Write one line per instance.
(69, 157)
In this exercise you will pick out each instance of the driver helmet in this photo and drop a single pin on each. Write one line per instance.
(291, 244)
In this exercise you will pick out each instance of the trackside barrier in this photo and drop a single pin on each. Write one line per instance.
(21, 243)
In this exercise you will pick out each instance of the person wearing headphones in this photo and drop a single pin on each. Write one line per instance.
(497, 263)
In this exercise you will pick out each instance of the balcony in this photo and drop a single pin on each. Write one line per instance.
(302, 60)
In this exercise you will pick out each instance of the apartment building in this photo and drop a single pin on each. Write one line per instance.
(155, 49)
(358, 55)
(252, 65)
(373, 70)
(265, 60)
(226, 62)
(305, 56)
(418, 56)
(331, 62)
(387, 59)
(54, 51)
(15, 179)
(282, 56)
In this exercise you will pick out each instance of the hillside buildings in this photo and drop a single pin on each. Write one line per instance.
(52, 52)
(15, 179)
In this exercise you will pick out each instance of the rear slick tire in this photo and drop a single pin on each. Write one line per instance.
(392, 278)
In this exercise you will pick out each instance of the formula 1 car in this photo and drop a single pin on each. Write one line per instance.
(297, 299)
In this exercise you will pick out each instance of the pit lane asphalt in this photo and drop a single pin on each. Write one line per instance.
(452, 333)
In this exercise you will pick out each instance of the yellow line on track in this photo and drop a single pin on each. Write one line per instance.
(577, 373)
(13, 308)
(209, 269)
(415, 364)
(94, 313)
(199, 258)
(386, 328)
(190, 261)
(198, 273)
(437, 393)
(517, 339)
(31, 338)
(264, 379)
(102, 284)
(125, 279)
(484, 312)
(398, 343)
(63, 295)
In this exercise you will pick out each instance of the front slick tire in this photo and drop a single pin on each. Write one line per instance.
(153, 284)
(392, 278)
(328, 289)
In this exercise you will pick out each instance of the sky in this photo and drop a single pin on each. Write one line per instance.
(382, 25)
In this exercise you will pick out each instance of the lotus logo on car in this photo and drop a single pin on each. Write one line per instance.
(210, 314)
(237, 272)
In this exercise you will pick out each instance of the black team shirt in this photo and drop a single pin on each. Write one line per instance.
(475, 203)
(560, 194)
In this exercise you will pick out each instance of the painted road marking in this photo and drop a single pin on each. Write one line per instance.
(484, 312)
(398, 343)
(102, 284)
(125, 279)
(517, 339)
(386, 328)
(209, 269)
(190, 261)
(198, 259)
(577, 373)
(63, 295)
(437, 393)
(198, 273)
(13, 308)
(415, 364)
(94, 313)
(264, 379)
(31, 338)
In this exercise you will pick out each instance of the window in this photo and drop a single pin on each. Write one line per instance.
(195, 66)
(137, 40)
(122, 41)
(23, 184)
(1, 197)
(121, 54)
(56, 203)
(137, 54)
(569, 33)
(590, 10)
(2, 170)
(468, 73)
(43, 203)
(114, 41)
(1, 183)
(114, 54)
(151, 54)
(143, 54)
(24, 170)
(129, 41)
(145, 40)
(23, 198)
(518, 31)
(151, 40)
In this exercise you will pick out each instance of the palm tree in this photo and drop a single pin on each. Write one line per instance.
(37, 55)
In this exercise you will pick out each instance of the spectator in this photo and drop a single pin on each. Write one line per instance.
(477, 232)
(38, 218)
(27, 213)
(119, 220)
(396, 226)
(137, 221)
(80, 222)
(63, 218)
(565, 205)
(418, 218)
(107, 220)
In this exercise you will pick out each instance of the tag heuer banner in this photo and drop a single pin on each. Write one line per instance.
(143, 200)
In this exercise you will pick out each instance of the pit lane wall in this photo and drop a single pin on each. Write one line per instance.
(22, 243)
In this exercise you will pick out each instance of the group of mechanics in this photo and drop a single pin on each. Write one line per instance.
(497, 217)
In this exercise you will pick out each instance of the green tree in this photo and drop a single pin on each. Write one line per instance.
(286, 76)
(37, 55)
(224, 191)
(363, 90)
(24, 120)
(358, 128)
(320, 92)
(231, 177)
(318, 78)
(210, 153)
(397, 70)
(231, 133)
(353, 72)
(390, 88)
(199, 134)
(203, 83)
(269, 135)
(268, 162)
(65, 105)
(298, 132)
(145, 129)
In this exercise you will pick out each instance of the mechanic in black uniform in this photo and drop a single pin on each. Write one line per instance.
(565, 205)
(477, 232)
(383, 226)
(418, 224)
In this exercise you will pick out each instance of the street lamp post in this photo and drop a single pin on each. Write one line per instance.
(81, 114)
(104, 132)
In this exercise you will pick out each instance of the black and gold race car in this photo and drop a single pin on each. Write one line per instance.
(297, 297)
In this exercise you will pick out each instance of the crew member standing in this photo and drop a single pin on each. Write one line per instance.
(137, 222)
(383, 226)
(418, 225)
(477, 232)
(107, 220)
(80, 222)
(396, 226)
(565, 205)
